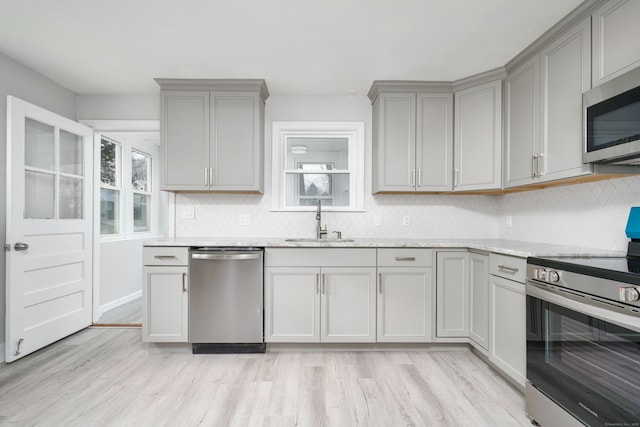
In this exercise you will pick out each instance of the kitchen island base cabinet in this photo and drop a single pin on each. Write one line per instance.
(313, 295)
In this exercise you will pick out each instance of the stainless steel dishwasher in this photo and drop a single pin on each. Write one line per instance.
(226, 300)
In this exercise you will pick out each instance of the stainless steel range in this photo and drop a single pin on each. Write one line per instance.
(583, 341)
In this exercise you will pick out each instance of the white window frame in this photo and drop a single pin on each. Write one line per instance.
(117, 187)
(149, 192)
(352, 131)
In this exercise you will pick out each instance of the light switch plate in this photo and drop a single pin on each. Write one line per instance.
(509, 221)
(406, 220)
(377, 220)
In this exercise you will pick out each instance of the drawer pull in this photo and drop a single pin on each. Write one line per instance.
(165, 257)
(405, 258)
(509, 269)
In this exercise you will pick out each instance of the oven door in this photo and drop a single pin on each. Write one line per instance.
(584, 356)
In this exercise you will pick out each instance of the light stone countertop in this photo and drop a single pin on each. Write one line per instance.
(506, 247)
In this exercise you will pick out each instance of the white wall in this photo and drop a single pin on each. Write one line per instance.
(118, 107)
(24, 83)
(120, 271)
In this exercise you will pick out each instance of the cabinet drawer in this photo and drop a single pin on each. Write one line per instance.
(405, 257)
(320, 257)
(509, 267)
(165, 255)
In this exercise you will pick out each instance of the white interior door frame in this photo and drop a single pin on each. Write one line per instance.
(100, 126)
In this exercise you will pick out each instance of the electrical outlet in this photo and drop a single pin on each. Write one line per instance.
(244, 219)
(509, 221)
(377, 220)
(406, 220)
(188, 212)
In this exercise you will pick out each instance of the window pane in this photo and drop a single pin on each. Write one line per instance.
(39, 192)
(109, 211)
(39, 145)
(109, 162)
(71, 155)
(141, 210)
(305, 189)
(140, 171)
(71, 198)
(318, 150)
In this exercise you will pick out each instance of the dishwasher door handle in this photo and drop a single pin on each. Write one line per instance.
(225, 257)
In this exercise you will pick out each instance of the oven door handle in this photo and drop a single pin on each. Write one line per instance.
(590, 306)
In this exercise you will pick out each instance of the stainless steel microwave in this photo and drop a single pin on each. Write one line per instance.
(612, 121)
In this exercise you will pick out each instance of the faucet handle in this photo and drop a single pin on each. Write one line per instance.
(339, 234)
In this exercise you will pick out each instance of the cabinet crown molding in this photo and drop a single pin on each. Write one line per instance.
(231, 85)
(408, 86)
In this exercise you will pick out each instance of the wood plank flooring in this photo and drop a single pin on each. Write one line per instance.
(108, 377)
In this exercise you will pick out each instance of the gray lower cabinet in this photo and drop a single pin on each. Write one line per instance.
(320, 295)
(543, 103)
(405, 295)
(212, 137)
(165, 297)
(616, 45)
(452, 294)
(507, 302)
(412, 137)
(479, 301)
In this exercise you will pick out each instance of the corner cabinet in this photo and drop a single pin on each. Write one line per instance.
(478, 137)
(320, 295)
(452, 294)
(165, 298)
(212, 134)
(544, 129)
(412, 136)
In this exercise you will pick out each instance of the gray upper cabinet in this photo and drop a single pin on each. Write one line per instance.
(412, 137)
(478, 137)
(616, 44)
(212, 134)
(544, 111)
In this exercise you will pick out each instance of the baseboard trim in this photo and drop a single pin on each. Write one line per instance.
(120, 301)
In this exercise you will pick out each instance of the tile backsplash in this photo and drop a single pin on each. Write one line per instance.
(590, 215)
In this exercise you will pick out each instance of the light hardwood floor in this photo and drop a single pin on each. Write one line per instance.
(108, 377)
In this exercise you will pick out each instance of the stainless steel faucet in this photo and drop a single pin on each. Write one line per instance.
(320, 232)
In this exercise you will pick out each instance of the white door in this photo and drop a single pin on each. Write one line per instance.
(49, 228)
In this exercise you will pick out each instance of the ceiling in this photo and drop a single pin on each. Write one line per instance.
(300, 47)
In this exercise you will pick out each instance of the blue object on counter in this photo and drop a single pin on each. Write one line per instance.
(633, 223)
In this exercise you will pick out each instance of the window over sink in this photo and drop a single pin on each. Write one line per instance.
(318, 161)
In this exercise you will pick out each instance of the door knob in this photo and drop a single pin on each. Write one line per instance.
(20, 246)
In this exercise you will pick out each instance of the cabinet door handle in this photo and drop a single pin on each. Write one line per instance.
(317, 283)
(534, 165)
(540, 164)
(413, 178)
(324, 285)
(456, 175)
(405, 258)
(380, 283)
(206, 177)
(419, 177)
(211, 176)
(507, 268)
(184, 282)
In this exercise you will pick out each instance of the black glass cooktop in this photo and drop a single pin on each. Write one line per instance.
(621, 269)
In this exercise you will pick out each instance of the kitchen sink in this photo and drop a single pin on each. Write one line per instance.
(310, 240)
